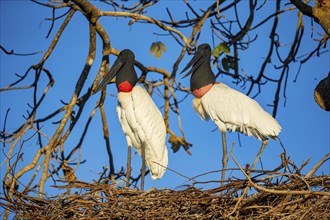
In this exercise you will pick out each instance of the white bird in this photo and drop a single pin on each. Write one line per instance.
(229, 109)
(139, 117)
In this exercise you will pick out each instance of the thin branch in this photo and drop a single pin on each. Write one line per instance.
(147, 19)
(18, 54)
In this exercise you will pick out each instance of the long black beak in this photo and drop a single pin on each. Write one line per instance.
(111, 74)
(195, 62)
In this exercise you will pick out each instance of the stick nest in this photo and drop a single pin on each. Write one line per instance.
(293, 198)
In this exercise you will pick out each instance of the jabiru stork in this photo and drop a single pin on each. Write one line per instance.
(229, 109)
(140, 119)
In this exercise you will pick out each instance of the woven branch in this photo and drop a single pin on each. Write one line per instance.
(103, 201)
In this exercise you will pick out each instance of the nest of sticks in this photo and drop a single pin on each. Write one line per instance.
(259, 195)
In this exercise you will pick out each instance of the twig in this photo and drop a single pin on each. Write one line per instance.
(284, 192)
(317, 166)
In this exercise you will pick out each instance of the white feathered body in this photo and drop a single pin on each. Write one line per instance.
(232, 110)
(143, 125)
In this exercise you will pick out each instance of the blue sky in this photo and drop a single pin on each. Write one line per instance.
(305, 127)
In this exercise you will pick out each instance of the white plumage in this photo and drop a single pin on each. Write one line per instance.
(234, 111)
(229, 109)
(144, 126)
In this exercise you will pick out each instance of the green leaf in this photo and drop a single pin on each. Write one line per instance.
(222, 47)
(157, 48)
(225, 64)
(228, 63)
(162, 46)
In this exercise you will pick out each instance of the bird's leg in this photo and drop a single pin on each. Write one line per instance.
(143, 168)
(224, 157)
(263, 146)
(129, 169)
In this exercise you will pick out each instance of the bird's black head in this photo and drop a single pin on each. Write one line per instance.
(123, 69)
(127, 55)
(201, 73)
(205, 48)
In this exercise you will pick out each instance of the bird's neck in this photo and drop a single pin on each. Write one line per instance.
(126, 79)
(125, 87)
(199, 93)
(202, 80)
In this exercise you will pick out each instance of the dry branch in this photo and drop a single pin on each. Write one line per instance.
(99, 200)
(274, 195)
